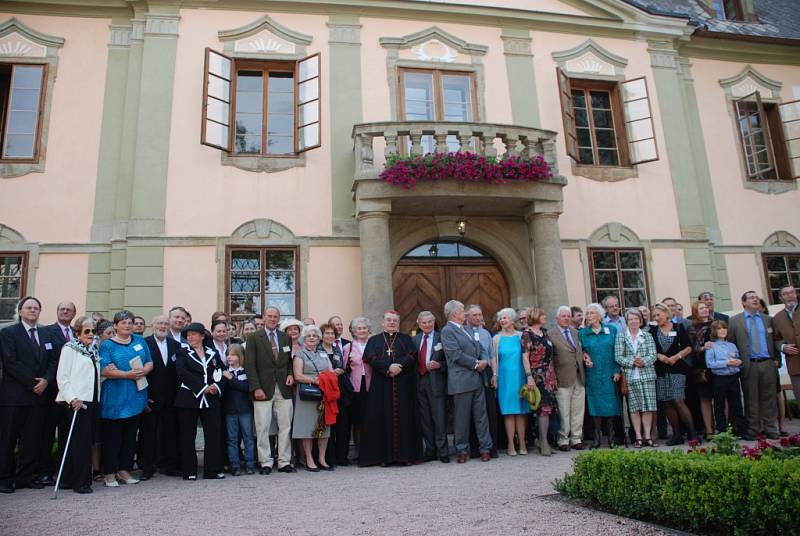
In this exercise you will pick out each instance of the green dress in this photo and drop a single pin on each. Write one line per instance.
(601, 391)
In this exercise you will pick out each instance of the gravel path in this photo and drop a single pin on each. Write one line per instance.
(507, 496)
(504, 496)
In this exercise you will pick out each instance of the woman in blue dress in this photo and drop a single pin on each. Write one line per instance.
(602, 372)
(508, 377)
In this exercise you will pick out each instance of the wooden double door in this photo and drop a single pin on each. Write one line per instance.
(428, 285)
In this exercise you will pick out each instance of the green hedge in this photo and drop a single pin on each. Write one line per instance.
(716, 494)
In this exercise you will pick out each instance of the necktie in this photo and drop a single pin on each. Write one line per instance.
(568, 336)
(274, 342)
(67, 334)
(336, 345)
(423, 353)
(33, 338)
(755, 339)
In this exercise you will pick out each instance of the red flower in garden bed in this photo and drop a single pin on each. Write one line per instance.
(464, 166)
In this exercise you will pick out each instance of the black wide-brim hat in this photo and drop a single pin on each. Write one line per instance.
(197, 327)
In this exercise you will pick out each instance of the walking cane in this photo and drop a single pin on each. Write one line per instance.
(66, 448)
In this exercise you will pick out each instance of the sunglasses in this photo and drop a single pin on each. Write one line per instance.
(88, 331)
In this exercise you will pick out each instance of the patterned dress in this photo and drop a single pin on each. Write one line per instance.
(540, 355)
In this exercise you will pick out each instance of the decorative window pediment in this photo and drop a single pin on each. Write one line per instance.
(19, 41)
(264, 229)
(750, 81)
(616, 233)
(9, 236)
(781, 240)
(589, 58)
(264, 38)
(433, 45)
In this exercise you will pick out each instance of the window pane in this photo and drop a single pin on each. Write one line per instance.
(578, 98)
(795, 279)
(7, 310)
(280, 260)
(219, 88)
(20, 145)
(605, 279)
(284, 303)
(581, 117)
(248, 124)
(249, 102)
(603, 118)
(22, 122)
(585, 156)
(309, 68)
(632, 279)
(280, 145)
(280, 125)
(604, 259)
(418, 91)
(794, 262)
(10, 265)
(601, 99)
(25, 99)
(308, 113)
(608, 157)
(245, 260)
(777, 280)
(630, 259)
(308, 90)
(216, 134)
(281, 103)
(243, 304)
(280, 281)
(605, 138)
(250, 144)
(218, 110)
(282, 82)
(776, 263)
(584, 137)
(457, 97)
(309, 136)
(246, 283)
(633, 298)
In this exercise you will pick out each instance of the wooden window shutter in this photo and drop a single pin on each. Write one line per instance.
(790, 118)
(754, 132)
(567, 114)
(307, 104)
(639, 130)
(215, 130)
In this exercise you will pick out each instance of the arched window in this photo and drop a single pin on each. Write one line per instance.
(445, 250)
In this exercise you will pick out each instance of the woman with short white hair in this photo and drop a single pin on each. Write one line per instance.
(359, 374)
(508, 377)
(602, 371)
(306, 366)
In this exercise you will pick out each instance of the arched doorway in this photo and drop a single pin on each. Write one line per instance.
(434, 272)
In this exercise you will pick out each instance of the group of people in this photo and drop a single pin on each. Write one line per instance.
(274, 394)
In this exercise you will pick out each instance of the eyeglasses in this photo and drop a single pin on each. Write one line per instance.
(88, 331)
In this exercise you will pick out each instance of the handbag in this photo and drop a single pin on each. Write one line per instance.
(623, 384)
(310, 391)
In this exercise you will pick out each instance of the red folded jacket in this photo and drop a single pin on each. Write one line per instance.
(329, 384)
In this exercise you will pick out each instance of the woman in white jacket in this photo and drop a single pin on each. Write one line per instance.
(78, 379)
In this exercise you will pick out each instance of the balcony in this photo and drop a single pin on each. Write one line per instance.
(375, 142)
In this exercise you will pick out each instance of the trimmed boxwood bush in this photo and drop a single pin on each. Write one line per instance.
(714, 494)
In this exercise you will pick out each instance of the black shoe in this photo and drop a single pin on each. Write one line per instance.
(675, 440)
(265, 470)
(429, 458)
(444, 459)
(287, 469)
(33, 484)
(83, 489)
(6, 489)
(235, 472)
(595, 444)
(312, 469)
(170, 472)
(344, 463)
(326, 467)
(146, 475)
(46, 480)
(494, 454)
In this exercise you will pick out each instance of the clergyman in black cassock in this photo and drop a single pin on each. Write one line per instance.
(391, 433)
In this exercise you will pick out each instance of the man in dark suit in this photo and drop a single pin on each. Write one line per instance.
(466, 360)
(268, 365)
(29, 366)
(338, 326)
(787, 335)
(431, 389)
(158, 429)
(61, 333)
(751, 332)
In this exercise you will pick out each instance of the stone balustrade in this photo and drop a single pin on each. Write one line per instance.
(487, 139)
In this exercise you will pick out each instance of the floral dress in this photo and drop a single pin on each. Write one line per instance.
(540, 355)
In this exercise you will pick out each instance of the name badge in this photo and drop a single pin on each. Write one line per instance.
(48, 346)
(174, 358)
(607, 331)
(437, 347)
(673, 334)
(242, 377)
(137, 347)
(286, 348)
(217, 375)
(549, 343)
(476, 336)
(769, 330)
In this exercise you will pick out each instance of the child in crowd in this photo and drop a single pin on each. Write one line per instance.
(238, 412)
(724, 362)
